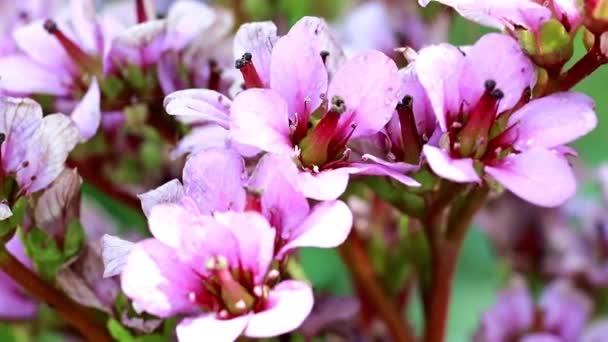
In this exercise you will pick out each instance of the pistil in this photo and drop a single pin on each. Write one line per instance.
(85, 61)
(247, 69)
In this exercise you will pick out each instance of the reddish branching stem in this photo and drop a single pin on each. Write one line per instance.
(81, 318)
(355, 256)
(583, 68)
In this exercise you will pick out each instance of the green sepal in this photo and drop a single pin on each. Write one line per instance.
(74, 239)
(18, 209)
(44, 252)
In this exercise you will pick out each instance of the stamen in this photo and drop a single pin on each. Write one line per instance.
(140, 9)
(410, 137)
(324, 54)
(247, 69)
(81, 58)
(240, 305)
(273, 274)
(192, 297)
(490, 85)
(2, 138)
(215, 74)
(338, 105)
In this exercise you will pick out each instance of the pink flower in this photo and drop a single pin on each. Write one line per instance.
(217, 271)
(490, 127)
(38, 162)
(215, 181)
(301, 113)
(14, 303)
(511, 14)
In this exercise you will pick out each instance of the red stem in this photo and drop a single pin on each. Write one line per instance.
(355, 256)
(583, 68)
(80, 317)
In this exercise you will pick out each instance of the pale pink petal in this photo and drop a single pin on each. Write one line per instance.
(156, 280)
(214, 179)
(114, 252)
(87, 114)
(22, 75)
(47, 154)
(257, 38)
(327, 226)
(300, 78)
(596, 332)
(553, 120)
(569, 11)
(170, 192)
(566, 310)
(85, 26)
(539, 176)
(289, 303)
(325, 185)
(43, 48)
(259, 117)
(255, 238)
(202, 138)
(370, 85)
(541, 337)
(436, 66)
(323, 40)
(199, 106)
(185, 20)
(169, 221)
(276, 179)
(377, 167)
(20, 119)
(457, 170)
(500, 58)
(211, 328)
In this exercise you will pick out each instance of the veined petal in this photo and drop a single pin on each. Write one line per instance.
(259, 117)
(370, 85)
(114, 252)
(19, 120)
(257, 38)
(538, 175)
(199, 106)
(553, 120)
(289, 303)
(215, 180)
(170, 192)
(457, 170)
(202, 138)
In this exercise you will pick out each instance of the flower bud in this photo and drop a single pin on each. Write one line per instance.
(551, 47)
(596, 15)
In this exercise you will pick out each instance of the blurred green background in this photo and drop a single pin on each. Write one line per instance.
(479, 276)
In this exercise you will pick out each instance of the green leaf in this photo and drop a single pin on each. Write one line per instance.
(18, 209)
(44, 252)
(120, 333)
(325, 270)
(74, 239)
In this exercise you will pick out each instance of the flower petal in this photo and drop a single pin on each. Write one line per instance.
(255, 238)
(327, 226)
(435, 67)
(300, 78)
(325, 185)
(87, 114)
(157, 281)
(457, 170)
(276, 179)
(215, 180)
(170, 192)
(202, 138)
(507, 65)
(257, 38)
(371, 88)
(289, 303)
(21, 75)
(539, 176)
(114, 252)
(258, 117)
(212, 328)
(378, 167)
(43, 48)
(85, 27)
(185, 20)
(553, 120)
(566, 310)
(596, 331)
(20, 119)
(47, 155)
(199, 106)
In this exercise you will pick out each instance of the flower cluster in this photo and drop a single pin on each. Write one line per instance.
(267, 140)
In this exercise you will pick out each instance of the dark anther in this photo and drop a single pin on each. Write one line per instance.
(33, 178)
(406, 103)
(338, 105)
(497, 94)
(490, 85)
(239, 63)
(247, 56)
(324, 54)
(2, 138)
(50, 26)
(25, 164)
